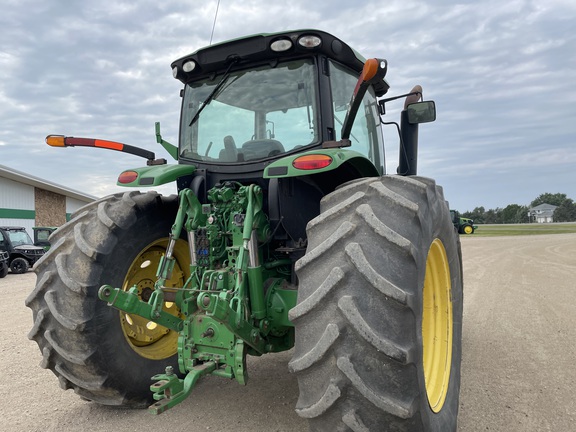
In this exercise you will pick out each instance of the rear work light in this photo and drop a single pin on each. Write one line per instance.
(127, 177)
(189, 66)
(312, 162)
(309, 41)
(281, 45)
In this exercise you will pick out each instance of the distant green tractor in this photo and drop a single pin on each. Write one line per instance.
(462, 224)
(286, 233)
(42, 235)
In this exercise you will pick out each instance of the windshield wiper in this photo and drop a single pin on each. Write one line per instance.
(213, 92)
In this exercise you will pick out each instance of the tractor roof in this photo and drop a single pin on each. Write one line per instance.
(264, 47)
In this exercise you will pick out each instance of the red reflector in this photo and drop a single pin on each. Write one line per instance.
(312, 162)
(108, 144)
(127, 177)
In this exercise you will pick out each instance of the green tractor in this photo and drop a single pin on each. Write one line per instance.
(42, 236)
(286, 233)
(463, 225)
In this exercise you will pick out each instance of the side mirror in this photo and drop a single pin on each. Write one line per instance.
(421, 112)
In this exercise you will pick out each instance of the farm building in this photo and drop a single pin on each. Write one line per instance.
(29, 201)
(543, 213)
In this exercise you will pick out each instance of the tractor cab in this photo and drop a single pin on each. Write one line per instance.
(276, 95)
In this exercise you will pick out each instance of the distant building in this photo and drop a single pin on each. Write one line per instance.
(542, 213)
(29, 201)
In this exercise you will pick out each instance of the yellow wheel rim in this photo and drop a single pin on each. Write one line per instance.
(468, 229)
(145, 337)
(437, 324)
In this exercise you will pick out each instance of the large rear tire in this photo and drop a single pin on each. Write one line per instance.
(103, 354)
(379, 314)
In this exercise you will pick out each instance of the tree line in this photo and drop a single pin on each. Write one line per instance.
(515, 213)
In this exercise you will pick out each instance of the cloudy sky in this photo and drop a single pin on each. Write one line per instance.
(502, 73)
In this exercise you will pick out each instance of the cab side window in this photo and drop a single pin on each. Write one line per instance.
(366, 135)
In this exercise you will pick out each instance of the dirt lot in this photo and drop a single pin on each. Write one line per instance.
(518, 366)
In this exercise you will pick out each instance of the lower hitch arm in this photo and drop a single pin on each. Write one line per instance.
(129, 302)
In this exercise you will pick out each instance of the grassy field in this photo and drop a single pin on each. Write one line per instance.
(524, 229)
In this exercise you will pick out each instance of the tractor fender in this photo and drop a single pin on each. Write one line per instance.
(304, 164)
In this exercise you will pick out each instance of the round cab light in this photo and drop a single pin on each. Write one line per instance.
(281, 45)
(310, 41)
(189, 66)
(127, 177)
(175, 71)
(312, 162)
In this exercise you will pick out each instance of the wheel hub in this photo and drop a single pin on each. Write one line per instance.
(437, 326)
(147, 338)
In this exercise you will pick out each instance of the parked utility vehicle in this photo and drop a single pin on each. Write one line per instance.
(286, 233)
(4, 260)
(22, 252)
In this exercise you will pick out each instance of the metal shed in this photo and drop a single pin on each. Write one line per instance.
(28, 201)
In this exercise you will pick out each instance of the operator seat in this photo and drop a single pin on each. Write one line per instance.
(229, 153)
(261, 148)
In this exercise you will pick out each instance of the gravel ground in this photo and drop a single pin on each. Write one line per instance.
(518, 357)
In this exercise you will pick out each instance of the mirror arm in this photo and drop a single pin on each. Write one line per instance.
(414, 92)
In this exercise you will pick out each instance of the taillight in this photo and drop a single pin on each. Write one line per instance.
(127, 177)
(312, 162)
